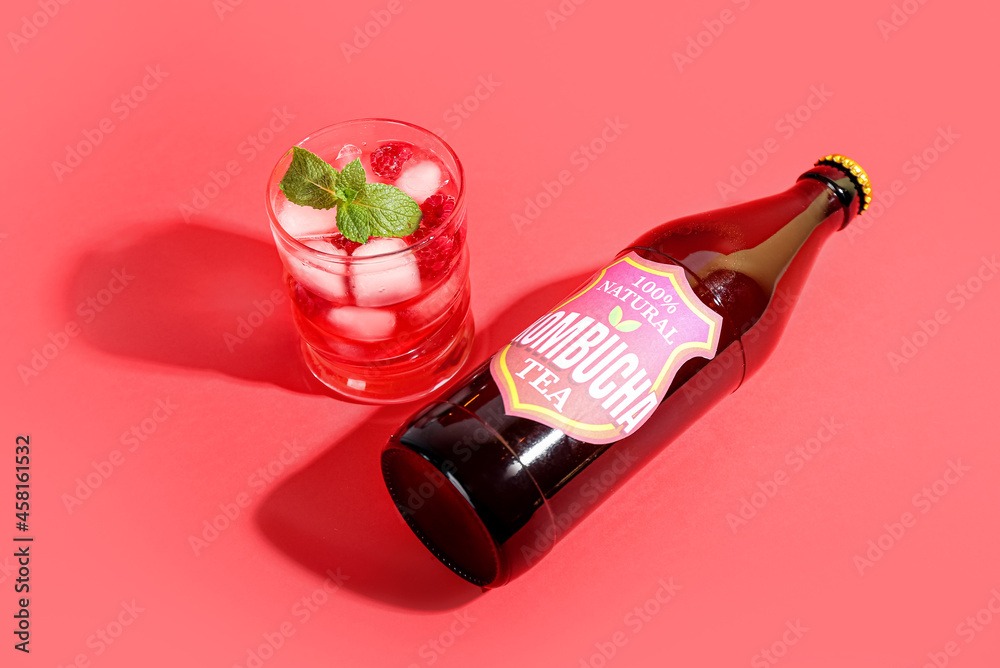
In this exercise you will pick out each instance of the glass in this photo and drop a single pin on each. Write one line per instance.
(388, 321)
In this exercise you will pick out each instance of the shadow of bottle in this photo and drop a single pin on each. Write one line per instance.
(336, 513)
(190, 296)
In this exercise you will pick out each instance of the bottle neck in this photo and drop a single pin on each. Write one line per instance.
(760, 284)
(766, 261)
(752, 259)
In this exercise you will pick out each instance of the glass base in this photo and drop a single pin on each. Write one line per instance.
(394, 382)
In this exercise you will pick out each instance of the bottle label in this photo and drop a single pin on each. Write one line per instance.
(597, 365)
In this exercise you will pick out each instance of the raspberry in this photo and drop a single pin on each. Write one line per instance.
(418, 234)
(434, 258)
(437, 208)
(343, 243)
(388, 159)
(308, 303)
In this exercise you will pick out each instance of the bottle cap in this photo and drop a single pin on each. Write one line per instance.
(856, 174)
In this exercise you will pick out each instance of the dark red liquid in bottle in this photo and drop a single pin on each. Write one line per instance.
(490, 494)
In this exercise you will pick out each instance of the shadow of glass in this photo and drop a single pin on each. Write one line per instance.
(190, 296)
(336, 513)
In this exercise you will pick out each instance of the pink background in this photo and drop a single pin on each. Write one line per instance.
(882, 95)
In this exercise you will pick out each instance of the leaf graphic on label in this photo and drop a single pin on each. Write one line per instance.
(628, 326)
(616, 316)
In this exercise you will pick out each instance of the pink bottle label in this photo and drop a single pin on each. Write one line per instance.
(597, 365)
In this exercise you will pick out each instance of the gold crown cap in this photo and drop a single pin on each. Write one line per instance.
(857, 175)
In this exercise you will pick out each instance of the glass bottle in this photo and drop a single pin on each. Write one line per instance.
(491, 476)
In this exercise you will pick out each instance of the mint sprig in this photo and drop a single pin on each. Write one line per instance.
(364, 210)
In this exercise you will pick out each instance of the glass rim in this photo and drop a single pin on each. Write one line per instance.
(349, 259)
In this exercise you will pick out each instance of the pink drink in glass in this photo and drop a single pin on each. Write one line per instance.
(389, 320)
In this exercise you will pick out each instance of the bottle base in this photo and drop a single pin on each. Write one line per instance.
(438, 511)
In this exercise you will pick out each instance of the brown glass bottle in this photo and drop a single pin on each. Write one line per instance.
(490, 494)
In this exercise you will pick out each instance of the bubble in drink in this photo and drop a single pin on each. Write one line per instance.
(304, 221)
(420, 180)
(387, 280)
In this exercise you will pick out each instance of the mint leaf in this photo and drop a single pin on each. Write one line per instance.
(354, 222)
(392, 212)
(310, 181)
(351, 180)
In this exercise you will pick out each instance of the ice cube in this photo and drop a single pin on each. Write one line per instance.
(384, 281)
(362, 324)
(326, 279)
(347, 155)
(303, 221)
(420, 180)
(324, 246)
